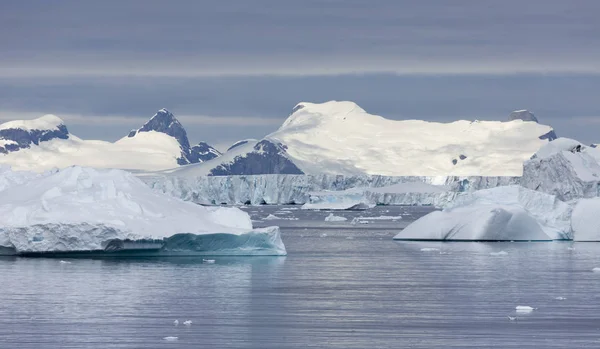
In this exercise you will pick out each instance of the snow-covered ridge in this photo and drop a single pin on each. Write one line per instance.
(46, 122)
(160, 144)
(84, 209)
(342, 138)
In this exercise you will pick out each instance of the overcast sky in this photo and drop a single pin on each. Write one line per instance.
(235, 69)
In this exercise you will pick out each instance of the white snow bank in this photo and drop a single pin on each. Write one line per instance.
(84, 209)
(510, 213)
(333, 218)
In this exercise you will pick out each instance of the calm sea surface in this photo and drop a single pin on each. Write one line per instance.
(342, 285)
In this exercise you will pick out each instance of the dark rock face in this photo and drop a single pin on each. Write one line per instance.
(165, 122)
(24, 138)
(524, 115)
(203, 152)
(266, 158)
(462, 157)
(549, 136)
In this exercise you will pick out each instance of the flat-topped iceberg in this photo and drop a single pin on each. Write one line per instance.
(510, 213)
(82, 209)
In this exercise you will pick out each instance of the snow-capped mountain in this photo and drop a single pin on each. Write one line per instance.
(44, 143)
(342, 138)
(22, 134)
(165, 122)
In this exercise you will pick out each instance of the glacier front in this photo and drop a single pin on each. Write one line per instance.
(81, 209)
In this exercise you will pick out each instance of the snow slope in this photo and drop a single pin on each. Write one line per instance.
(342, 138)
(45, 143)
(84, 209)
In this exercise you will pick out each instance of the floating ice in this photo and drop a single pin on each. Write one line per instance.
(501, 253)
(208, 261)
(188, 323)
(271, 217)
(111, 211)
(176, 322)
(65, 262)
(332, 218)
(171, 338)
(512, 318)
(560, 298)
(524, 309)
(596, 270)
(323, 235)
(429, 249)
(510, 213)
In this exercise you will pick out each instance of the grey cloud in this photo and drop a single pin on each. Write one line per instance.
(214, 38)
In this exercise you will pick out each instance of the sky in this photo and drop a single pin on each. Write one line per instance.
(232, 70)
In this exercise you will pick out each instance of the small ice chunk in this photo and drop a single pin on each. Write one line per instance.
(596, 270)
(334, 218)
(429, 249)
(65, 262)
(512, 318)
(176, 322)
(271, 217)
(188, 322)
(524, 309)
(560, 298)
(207, 261)
(349, 238)
(501, 253)
(171, 338)
(323, 235)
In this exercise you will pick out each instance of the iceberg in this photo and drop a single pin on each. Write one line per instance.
(565, 168)
(510, 213)
(585, 220)
(82, 210)
(334, 218)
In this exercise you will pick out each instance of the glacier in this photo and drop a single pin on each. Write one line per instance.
(278, 189)
(78, 210)
(400, 194)
(510, 213)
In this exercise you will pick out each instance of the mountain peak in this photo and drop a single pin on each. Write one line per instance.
(165, 122)
(523, 114)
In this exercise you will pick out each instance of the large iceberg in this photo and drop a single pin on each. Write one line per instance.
(565, 168)
(585, 220)
(510, 213)
(82, 209)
